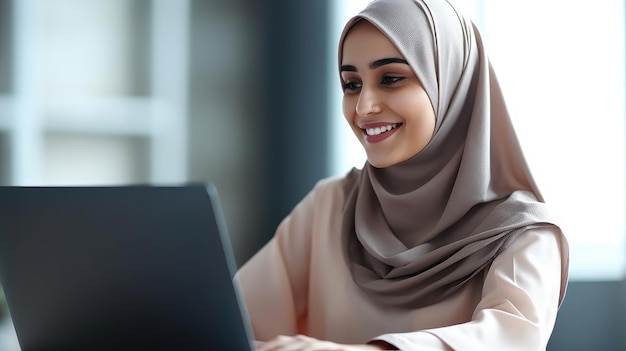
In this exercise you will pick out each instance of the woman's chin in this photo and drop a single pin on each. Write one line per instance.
(386, 162)
(377, 163)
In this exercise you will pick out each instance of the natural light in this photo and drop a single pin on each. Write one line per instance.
(561, 66)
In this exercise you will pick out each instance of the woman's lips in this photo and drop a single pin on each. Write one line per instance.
(377, 132)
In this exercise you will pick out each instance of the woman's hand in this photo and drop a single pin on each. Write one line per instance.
(306, 343)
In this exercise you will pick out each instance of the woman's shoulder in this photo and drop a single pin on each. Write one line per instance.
(336, 185)
(329, 192)
(321, 206)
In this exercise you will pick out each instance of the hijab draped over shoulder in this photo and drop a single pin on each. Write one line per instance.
(417, 231)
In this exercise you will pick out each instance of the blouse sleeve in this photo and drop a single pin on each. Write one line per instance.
(274, 282)
(519, 303)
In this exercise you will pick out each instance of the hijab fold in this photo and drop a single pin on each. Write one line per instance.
(417, 231)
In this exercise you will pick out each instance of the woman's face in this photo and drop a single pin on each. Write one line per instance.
(383, 101)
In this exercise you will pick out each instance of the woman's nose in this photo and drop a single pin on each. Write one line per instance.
(368, 102)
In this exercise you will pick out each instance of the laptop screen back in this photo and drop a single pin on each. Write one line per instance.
(102, 268)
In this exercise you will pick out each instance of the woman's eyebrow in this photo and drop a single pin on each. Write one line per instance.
(386, 61)
(348, 68)
(375, 64)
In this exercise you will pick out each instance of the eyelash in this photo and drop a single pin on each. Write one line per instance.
(391, 80)
(349, 85)
(385, 81)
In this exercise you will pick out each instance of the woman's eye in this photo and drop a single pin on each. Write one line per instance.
(351, 86)
(390, 80)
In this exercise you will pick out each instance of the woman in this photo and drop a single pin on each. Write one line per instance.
(442, 241)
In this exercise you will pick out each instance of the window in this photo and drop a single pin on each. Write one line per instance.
(561, 66)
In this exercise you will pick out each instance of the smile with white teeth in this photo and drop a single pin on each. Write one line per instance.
(380, 130)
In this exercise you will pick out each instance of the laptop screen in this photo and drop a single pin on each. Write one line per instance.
(137, 267)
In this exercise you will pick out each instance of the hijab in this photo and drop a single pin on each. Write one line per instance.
(417, 231)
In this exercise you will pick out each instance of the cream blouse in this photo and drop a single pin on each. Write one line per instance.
(299, 283)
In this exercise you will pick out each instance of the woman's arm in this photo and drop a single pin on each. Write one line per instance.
(519, 303)
(274, 282)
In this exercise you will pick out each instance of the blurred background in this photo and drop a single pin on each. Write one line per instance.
(245, 94)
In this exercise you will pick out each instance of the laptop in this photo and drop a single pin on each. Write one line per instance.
(120, 268)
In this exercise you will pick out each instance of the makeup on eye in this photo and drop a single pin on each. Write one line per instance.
(386, 80)
(391, 80)
(350, 85)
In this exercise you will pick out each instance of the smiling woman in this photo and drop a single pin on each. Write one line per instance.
(419, 248)
(561, 125)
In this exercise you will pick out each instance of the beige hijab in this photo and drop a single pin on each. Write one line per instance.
(417, 231)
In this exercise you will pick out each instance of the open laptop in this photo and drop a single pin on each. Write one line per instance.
(119, 268)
